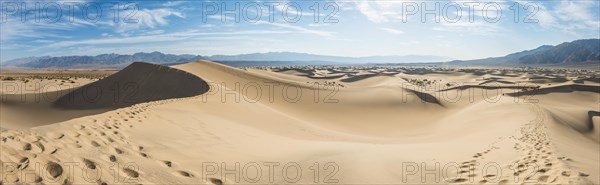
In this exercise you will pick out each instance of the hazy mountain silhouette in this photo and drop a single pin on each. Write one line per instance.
(275, 58)
(99, 61)
(579, 52)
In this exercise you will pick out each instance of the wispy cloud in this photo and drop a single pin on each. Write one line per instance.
(392, 31)
(160, 37)
(567, 15)
(298, 28)
(173, 3)
(142, 21)
(146, 19)
(380, 11)
(15, 29)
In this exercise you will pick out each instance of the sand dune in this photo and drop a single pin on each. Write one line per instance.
(137, 83)
(365, 131)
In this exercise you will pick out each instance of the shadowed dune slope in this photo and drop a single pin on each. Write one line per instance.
(559, 89)
(137, 83)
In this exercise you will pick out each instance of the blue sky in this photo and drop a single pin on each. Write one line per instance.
(465, 29)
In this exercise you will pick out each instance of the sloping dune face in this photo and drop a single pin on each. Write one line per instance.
(137, 83)
(386, 111)
(252, 127)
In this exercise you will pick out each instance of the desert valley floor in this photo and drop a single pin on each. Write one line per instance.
(208, 123)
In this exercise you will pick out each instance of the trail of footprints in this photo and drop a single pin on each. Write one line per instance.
(103, 136)
(537, 163)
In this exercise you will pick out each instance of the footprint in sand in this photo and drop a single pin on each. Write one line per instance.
(74, 145)
(166, 163)
(23, 163)
(131, 173)
(119, 151)
(54, 169)
(110, 140)
(54, 151)
(54, 135)
(112, 158)
(459, 180)
(109, 157)
(79, 127)
(27, 146)
(184, 174)
(216, 181)
(89, 164)
(95, 144)
(143, 155)
(489, 176)
(543, 170)
(34, 147)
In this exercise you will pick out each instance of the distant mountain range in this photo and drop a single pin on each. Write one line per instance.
(98, 61)
(281, 58)
(305, 57)
(579, 52)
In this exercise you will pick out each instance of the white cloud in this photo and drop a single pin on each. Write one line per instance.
(146, 18)
(172, 3)
(392, 31)
(578, 13)
(381, 11)
(567, 15)
(392, 11)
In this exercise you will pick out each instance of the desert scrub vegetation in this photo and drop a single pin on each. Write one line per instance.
(326, 84)
(533, 88)
(59, 76)
(8, 78)
(421, 82)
